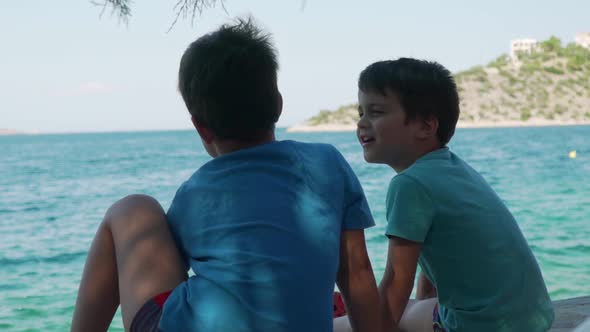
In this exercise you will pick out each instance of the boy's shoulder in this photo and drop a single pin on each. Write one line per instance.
(444, 175)
(441, 167)
(286, 153)
(430, 167)
(312, 146)
(315, 152)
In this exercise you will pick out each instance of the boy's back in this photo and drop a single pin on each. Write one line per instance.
(472, 249)
(261, 227)
(268, 227)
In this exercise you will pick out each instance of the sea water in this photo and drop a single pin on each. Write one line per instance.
(55, 189)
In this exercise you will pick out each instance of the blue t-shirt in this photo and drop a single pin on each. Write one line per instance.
(260, 227)
(472, 248)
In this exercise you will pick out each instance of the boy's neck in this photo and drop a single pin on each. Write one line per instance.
(227, 146)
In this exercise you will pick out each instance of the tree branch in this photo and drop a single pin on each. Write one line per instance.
(119, 7)
(190, 8)
(184, 8)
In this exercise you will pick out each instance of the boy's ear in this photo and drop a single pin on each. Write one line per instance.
(428, 127)
(205, 132)
(280, 104)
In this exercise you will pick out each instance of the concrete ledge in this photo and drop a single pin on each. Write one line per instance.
(570, 313)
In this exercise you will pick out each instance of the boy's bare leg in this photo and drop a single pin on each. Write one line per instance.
(133, 257)
(342, 324)
(416, 318)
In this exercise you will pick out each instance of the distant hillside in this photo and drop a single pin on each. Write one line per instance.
(4, 131)
(344, 115)
(551, 85)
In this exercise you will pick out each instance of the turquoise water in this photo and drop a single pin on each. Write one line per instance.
(54, 190)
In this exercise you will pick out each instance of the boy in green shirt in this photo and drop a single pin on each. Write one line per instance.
(478, 272)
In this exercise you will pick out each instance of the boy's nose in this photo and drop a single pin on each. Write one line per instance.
(361, 123)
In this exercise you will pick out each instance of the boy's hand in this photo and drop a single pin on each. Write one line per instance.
(356, 282)
(398, 281)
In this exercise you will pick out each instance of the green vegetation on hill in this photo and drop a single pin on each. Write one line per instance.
(552, 83)
(347, 114)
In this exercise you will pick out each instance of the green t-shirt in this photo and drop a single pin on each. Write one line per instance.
(472, 248)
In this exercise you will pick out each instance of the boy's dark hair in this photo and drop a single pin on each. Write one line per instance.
(424, 89)
(228, 80)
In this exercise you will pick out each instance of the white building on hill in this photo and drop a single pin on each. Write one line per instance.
(523, 46)
(583, 39)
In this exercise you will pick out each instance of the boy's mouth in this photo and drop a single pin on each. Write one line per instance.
(366, 140)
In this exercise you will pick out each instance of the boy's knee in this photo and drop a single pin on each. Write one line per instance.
(136, 207)
(139, 200)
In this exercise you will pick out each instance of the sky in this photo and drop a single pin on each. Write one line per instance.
(66, 68)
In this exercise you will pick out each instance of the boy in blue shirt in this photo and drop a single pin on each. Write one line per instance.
(478, 272)
(267, 226)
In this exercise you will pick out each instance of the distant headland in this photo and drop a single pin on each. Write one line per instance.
(6, 131)
(536, 84)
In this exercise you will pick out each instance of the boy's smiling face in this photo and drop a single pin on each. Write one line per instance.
(383, 132)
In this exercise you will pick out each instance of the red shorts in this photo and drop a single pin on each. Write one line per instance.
(339, 307)
(148, 316)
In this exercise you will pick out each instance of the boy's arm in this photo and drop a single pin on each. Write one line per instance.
(398, 281)
(356, 282)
